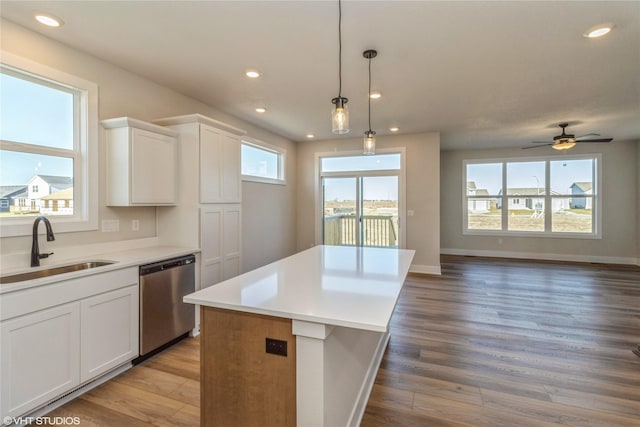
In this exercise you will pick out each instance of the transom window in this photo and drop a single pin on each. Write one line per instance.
(262, 162)
(539, 196)
(48, 127)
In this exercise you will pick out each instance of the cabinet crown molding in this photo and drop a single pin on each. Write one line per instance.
(199, 118)
(139, 124)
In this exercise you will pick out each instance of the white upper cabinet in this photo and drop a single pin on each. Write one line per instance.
(141, 163)
(218, 148)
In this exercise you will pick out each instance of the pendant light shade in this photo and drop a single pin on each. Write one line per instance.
(369, 143)
(369, 136)
(340, 115)
(339, 112)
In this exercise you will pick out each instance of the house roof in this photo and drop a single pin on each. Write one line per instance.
(12, 190)
(471, 185)
(523, 191)
(66, 194)
(584, 186)
(54, 179)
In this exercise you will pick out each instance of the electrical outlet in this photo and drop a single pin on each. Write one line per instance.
(276, 347)
(135, 225)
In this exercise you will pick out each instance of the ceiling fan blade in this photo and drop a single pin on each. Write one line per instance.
(595, 140)
(539, 142)
(588, 134)
(535, 146)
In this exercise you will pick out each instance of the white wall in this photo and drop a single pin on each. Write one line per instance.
(122, 93)
(619, 210)
(422, 188)
(638, 200)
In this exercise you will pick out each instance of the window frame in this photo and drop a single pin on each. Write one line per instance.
(84, 153)
(281, 154)
(596, 197)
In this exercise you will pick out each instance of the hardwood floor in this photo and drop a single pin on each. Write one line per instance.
(512, 343)
(488, 343)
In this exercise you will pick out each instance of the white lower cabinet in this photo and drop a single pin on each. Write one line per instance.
(47, 351)
(220, 242)
(40, 357)
(109, 331)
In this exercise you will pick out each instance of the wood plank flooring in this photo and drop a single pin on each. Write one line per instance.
(489, 343)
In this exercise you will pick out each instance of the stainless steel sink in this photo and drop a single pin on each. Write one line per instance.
(37, 274)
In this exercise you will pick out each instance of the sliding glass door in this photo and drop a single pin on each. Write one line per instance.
(360, 210)
(340, 207)
(379, 211)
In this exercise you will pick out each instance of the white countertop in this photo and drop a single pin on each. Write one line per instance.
(333, 285)
(120, 258)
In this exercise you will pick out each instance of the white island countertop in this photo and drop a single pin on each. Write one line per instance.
(333, 285)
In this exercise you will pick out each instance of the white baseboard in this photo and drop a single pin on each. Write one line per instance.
(541, 256)
(425, 269)
(58, 402)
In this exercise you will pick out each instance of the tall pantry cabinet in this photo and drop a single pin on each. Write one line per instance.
(208, 210)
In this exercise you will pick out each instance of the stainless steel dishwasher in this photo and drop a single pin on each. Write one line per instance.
(163, 315)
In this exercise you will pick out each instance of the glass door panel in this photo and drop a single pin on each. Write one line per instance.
(379, 209)
(340, 211)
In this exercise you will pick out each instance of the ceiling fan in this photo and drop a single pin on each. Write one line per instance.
(564, 141)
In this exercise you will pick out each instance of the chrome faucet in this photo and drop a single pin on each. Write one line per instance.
(35, 250)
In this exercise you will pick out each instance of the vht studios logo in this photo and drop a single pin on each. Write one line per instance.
(42, 421)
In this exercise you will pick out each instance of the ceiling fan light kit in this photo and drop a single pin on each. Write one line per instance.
(565, 141)
(340, 112)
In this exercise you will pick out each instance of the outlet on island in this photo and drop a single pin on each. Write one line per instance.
(276, 347)
(135, 225)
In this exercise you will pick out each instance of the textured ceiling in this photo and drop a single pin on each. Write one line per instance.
(484, 74)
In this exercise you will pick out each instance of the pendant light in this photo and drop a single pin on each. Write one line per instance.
(340, 112)
(369, 136)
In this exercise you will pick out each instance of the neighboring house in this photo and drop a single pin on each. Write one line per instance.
(58, 203)
(9, 194)
(531, 199)
(580, 188)
(40, 186)
(478, 205)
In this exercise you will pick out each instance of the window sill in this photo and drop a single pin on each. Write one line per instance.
(250, 178)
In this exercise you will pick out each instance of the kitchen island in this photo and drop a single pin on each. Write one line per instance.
(298, 341)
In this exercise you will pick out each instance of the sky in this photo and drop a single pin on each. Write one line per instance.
(37, 114)
(563, 173)
(374, 188)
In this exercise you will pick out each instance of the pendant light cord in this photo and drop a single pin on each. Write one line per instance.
(369, 94)
(339, 49)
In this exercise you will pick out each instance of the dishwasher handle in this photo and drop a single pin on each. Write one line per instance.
(166, 264)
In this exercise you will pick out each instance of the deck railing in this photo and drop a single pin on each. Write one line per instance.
(378, 230)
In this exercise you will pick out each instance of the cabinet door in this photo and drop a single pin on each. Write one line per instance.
(231, 187)
(211, 230)
(153, 168)
(109, 331)
(40, 357)
(210, 165)
(232, 241)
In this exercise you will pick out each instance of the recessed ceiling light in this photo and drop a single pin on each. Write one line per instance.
(375, 95)
(48, 20)
(261, 110)
(252, 74)
(394, 129)
(599, 31)
(310, 136)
